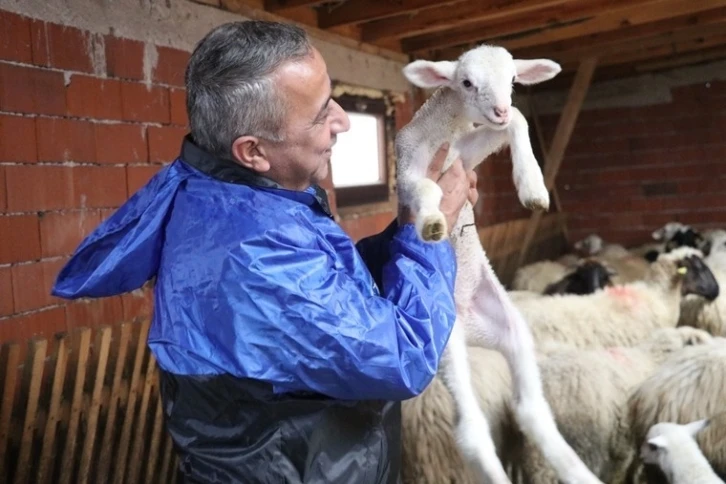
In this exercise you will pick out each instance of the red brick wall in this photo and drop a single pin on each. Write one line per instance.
(77, 138)
(627, 171)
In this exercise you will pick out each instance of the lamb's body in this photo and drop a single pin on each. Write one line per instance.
(490, 320)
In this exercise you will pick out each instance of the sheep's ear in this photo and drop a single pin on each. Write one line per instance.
(428, 74)
(694, 427)
(658, 442)
(533, 71)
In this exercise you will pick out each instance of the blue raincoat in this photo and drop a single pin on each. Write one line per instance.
(260, 299)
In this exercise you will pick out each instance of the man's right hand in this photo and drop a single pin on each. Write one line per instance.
(457, 184)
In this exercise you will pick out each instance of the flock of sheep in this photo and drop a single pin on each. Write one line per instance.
(635, 339)
(582, 371)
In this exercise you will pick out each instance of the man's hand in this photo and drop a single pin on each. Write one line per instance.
(456, 184)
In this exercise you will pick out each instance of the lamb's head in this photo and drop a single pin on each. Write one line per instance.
(483, 78)
(684, 267)
(668, 230)
(590, 245)
(665, 441)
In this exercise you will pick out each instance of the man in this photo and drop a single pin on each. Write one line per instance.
(284, 349)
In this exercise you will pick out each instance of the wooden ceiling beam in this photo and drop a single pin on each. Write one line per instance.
(707, 55)
(355, 12)
(696, 44)
(442, 18)
(621, 19)
(528, 22)
(279, 5)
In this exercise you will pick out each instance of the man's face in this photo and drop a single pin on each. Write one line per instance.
(312, 123)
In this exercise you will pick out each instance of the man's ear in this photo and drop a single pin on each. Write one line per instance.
(249, 152)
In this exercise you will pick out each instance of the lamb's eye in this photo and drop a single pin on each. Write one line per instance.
(466, 83)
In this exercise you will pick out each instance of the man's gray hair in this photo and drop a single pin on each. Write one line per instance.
(230, 92)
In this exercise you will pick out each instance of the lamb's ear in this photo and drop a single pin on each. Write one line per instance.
(659, 442)
(694, 427)
(428, 74)
(533, 71)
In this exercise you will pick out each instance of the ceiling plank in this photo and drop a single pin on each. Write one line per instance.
(620, 19)
(553, 16)
(353, 12)
(688, 46)
(278, 5)
(449, 16)
(601, 44)
(707, 55)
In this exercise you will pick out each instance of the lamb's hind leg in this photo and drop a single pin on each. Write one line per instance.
(472, 432)
(497, 323)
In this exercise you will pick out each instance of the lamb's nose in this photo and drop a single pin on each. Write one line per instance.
(501, 111)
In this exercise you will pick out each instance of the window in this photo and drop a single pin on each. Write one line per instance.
(359, 162)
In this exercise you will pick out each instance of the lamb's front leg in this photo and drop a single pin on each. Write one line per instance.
(497, 323)
(526, 172)
(473, 434)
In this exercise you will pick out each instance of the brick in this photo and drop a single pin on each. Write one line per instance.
(3, 191)
(31, 90)
(32, 284)
(6, 292)
(17, 139)
(124, 58)
(145, 104)
(20, 238)
(138, 304)
(178, 102)
(60, 46)
(66, 140)
(15, 40)
(121, 143)
(94, 312)
(62, 232)
(91, 97)
(33, 188)
(44, 324)
(170, 66)
(165, 143)
(138, 176)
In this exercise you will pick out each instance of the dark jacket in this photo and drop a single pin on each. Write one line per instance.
(282, 346)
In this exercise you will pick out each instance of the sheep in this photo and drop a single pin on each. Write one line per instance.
(574, 379)
(588, 277)
(621, 315)
(535, 277)
(593, 244)
(471, 109)
(589, 391)
(699, 312)
(673, 449)
(688, 387)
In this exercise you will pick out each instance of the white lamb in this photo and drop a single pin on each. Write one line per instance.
(471, 109)
(673, 449)
(621, 315)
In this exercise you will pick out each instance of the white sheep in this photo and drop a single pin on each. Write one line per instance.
(689, 386)
(673, 449)
(588, 390)
(593, 244)
(621, 315)
(471, 109)
(535, 277)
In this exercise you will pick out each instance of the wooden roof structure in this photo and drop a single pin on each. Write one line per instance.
(627, 36)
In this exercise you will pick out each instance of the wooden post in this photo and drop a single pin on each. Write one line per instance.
(565, 126)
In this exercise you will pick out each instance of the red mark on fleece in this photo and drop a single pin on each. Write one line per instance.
(617, 354)
(623, 294)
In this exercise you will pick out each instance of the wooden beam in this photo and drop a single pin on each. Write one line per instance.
(617, 20)
(565, 126)
(241, 8)
(607, 42)
(695, 44)
(442, 18)
(491, 28)
(354, 12)
(708, 55)
(278, 5)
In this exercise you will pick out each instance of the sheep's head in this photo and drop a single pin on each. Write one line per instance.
(666, 438)
(590, 245)
(685, 266)
(588, 277)
(483, 78)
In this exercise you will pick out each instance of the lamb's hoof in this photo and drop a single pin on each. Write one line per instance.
(434, 228)
(537, 204)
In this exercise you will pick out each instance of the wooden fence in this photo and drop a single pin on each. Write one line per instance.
(83, 407)
(503, 242)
